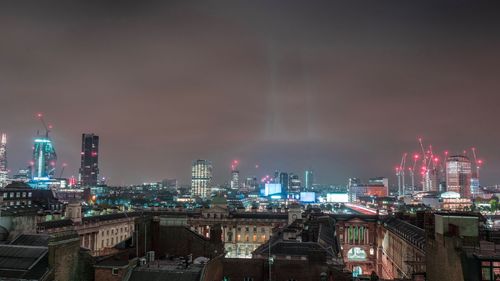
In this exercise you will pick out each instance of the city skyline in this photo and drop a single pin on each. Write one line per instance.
(331, 87)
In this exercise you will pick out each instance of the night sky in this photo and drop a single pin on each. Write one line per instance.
(343, 89)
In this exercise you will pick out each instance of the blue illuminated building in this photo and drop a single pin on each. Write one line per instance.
(44, 159)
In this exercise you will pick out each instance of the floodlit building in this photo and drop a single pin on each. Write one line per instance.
(458, 175)
(44, 159)
(201, 178)
(235, 179)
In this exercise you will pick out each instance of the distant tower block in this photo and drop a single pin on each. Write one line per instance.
(201, 178)
(3, 161)
(458, 175)
(89, 166)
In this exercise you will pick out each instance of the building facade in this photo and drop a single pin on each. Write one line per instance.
(99, 234)
(3, 161)
(308, 180)
(358, 239)
(89, 165)
(235, 179)
(458, 175)
(201, 178)
(44, 159)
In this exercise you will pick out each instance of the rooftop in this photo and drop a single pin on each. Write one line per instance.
(407, 231)
(167, 270)
(23, 262)
(31, 240)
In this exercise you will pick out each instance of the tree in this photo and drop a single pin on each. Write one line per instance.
(494, 204)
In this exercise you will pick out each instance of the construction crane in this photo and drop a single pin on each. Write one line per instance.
(45, 126)
(476, 162)
(400, 172)
(62, 170)
(44, 154)
(412, 170)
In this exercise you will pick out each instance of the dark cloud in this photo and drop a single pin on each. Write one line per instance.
(343, 88)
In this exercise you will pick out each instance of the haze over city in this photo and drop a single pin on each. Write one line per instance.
(341, 88)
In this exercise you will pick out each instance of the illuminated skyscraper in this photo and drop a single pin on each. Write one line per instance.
(201, 178)
(309, 180)
(89, 165)
(458, 175)
(235, 179)
(44, 159)
(3, 161)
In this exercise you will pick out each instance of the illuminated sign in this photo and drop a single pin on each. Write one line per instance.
(356, 253)
(272, 188)
(337, 197)
(307, 197)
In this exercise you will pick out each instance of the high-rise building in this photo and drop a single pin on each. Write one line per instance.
(458, 175)
(352, 188)
(44, 159)
(201, 178)
(294, 185)
(309, 180)
(251, 183)
(284, 180)
(89, 165)
(235, 179)
(3, 161)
